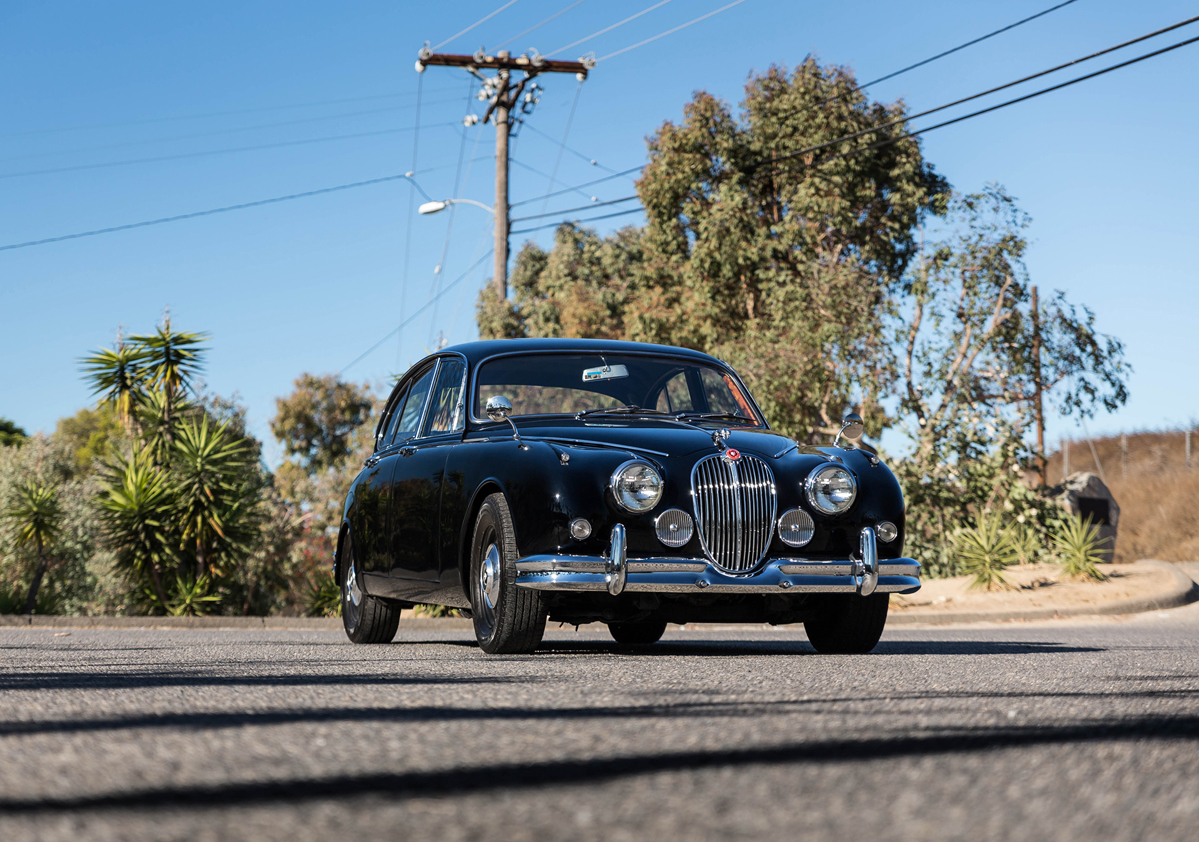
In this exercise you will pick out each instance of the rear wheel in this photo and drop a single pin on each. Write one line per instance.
(640, 633)
(508, 620)
(849, 624)
(367, 619)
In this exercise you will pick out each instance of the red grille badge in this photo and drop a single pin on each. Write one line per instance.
(732, 454)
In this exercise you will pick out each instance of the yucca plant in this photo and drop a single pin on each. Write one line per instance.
(136, 510)
(190, 596)
(171, 360)
(35, 514)
(985, 550)
(1079, 548)
(324, 596)
(206, 465)
(118, 376)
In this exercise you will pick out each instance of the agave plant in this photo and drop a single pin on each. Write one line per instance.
(207, 468)
(135, 510)
(985, 550)
(36, 515)
(1079, 548)
(190, 597)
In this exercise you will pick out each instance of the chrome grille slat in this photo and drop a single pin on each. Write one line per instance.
(735, 505)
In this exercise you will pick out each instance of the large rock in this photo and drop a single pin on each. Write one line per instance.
(1086, 495)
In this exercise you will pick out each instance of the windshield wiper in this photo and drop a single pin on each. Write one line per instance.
(630, 409)
(713, 416)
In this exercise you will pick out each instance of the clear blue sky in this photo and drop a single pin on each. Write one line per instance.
(1107, 169)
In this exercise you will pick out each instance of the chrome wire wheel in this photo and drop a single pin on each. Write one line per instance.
(491, 574)
(351, 594)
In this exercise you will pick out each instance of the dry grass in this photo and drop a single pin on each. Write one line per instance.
(1157, 495)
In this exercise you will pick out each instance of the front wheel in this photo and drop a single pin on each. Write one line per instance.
(849, 624)
(508, 620)
(367, 619)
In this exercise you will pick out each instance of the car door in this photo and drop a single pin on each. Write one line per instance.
(420, 475)
(373, 494)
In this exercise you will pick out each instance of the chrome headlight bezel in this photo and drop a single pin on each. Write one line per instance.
(812, 490)
(623, 498)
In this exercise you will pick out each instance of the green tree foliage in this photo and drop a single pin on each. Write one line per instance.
(316, 421)
(36, 516)
(965, 341)
(10, 433)
(91, 434)
(784, 268)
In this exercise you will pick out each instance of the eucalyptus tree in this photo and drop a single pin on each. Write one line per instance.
(36, 516)
(778, 259)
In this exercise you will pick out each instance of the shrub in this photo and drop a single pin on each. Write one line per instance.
(1079, 548)
(984, 550)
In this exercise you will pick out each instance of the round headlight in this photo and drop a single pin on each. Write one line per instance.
(636, 486)
(831, 489)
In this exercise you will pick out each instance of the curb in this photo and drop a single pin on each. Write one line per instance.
(1183, 592)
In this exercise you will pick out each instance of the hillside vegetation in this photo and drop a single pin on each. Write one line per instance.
(1157, 495)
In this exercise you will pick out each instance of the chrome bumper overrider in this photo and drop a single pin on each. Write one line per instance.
(616, 573)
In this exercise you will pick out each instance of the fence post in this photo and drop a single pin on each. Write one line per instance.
(1123, 456)
(1188, 450)
(1065, 459)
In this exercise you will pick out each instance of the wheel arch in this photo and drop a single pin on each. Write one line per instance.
(486, 489)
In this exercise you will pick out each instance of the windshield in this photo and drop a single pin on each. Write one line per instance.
(568, 384)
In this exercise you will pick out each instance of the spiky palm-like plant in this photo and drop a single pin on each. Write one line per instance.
(172, 361)
(207, 467)
(985, 549)
(118, 376)
(1079, 548)
(136, 510)
(36, 515)
(190, 597)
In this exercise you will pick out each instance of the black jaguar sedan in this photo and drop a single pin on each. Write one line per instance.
(582, 481)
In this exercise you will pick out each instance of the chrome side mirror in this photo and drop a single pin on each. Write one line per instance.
(851, 428)
(498, 408)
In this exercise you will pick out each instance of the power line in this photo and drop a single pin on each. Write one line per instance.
(412, 187)
(214, 132)
(607, 29)
(411, 318)
(546, 176)
(539, 25)
(572, 210)
(962, 46)
(982, 111)
(93, 126)
(483, 19)
(588, 219)
(578, 187)
(809, 149)
(203, 212)
(210, 152)
(561, 144)
(817, 147)
(672, 31)
(574, 102)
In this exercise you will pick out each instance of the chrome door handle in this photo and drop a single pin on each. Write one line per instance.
(371, 462)
(407, 451)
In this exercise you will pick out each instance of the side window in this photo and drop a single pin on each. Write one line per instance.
(723, 394)
(389, 423)
(675, 395)
(409, 419)
(445, 413)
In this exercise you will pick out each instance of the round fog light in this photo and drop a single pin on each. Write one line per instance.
(580, 529)
(886, 531)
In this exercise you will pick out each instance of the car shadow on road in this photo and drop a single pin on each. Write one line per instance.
(733, 647)
(463, 779)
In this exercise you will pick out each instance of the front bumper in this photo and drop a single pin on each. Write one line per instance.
(616, 573)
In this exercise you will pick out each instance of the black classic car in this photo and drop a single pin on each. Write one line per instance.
(636, 485)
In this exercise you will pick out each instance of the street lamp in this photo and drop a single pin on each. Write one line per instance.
(433, 207)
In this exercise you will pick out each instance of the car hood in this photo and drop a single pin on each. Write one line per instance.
(663, 436)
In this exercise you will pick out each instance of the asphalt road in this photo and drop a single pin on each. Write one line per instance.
(1067, 731)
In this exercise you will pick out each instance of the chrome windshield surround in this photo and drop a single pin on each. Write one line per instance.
(735, 501)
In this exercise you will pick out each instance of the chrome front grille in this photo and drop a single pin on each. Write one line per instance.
(735, 503)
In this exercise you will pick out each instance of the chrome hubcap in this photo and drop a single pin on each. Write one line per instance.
(353, 590)
(489, 576)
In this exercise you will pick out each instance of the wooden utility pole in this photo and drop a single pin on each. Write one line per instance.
(505, 96)
(1038, 406)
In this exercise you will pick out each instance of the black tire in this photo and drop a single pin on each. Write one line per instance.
(367, 619)
(849, 624)
(640, 633)
(508, 620)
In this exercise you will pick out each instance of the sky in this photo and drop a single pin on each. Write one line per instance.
(243, 102)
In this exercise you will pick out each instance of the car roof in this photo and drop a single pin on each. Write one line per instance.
(475, 352)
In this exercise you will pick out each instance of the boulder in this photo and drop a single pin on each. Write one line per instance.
(1084, 495)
